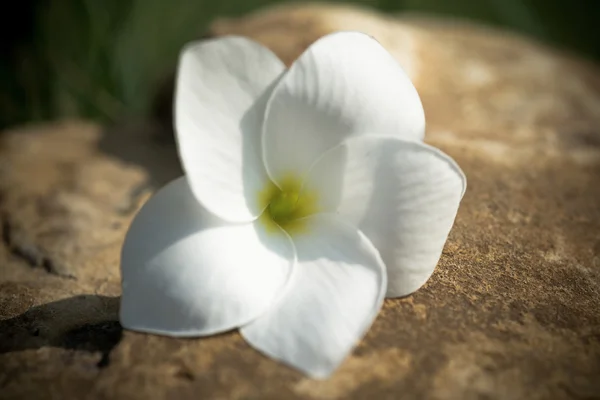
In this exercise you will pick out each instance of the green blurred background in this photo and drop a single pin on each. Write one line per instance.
(103, 59)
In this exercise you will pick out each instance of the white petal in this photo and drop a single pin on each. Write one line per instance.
(335, 293)
(345, 84)
(222, 88)
(187, 273)
(403, 195)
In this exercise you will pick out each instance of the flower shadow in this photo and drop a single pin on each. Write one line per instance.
(145, 143)
(85, 323)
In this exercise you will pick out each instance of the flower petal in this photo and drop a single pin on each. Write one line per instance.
(187, 273)
(402, 195)
(222, 88)
(335, 294)
(345, 84)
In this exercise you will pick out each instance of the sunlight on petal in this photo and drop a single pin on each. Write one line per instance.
(336, 291)
(345, 84)
(222, 88)
(187, 273)
(403, 195)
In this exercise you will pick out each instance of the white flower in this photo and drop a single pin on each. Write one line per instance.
(309, 196)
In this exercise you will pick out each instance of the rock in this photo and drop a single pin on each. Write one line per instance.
(512, 311)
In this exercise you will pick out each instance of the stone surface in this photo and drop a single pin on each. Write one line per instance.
(512, 311)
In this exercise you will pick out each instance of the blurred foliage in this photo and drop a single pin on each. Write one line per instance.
(103, 59)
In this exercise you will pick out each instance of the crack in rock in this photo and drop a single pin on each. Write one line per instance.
(23, 248)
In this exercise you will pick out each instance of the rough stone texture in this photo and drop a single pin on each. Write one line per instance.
(512, 311)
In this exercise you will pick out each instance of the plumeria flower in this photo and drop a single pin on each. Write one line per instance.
(308, 197)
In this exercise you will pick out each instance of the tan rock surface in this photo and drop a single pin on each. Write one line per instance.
(512, 311)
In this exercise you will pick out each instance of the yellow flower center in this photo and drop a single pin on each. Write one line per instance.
(285, 206)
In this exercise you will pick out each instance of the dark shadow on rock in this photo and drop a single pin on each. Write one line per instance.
(85, 323)
(162, 105)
